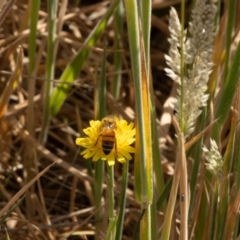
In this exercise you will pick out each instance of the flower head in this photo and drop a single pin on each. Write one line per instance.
(214, 160)
(197, 53)
(109, 139)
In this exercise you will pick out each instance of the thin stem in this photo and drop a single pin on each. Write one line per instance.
(183, 177)
(111, 231)
(182, 65)
(184, 204)
(111, 192)
(122, 201)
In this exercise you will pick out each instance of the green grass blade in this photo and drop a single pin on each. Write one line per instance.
(145, 226)
(164, 194)
(142, 102)
(154, 220)
(32, 57)
(72, 70)
(230, 90)
(33, 35)
(228, 94)
(202, 228)
(146, 9)
(197, 161)
(146, 17)
(118, 55)
(100, 109)
(230, 25)
(100, 97)
(29, 152)
(225, 186)
(142, 98)
(133, 30)
(158, 171)
(48, 85)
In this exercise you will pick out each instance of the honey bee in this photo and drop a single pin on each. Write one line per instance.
(108, 129)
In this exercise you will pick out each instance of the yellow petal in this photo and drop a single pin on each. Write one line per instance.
(110, 162)
(122, 160)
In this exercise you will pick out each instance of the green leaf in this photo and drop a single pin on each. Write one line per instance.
(73, 69)
(229, 91)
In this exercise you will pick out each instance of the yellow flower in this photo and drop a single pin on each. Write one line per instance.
(117, 135)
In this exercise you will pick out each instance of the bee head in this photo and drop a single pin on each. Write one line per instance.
(109, 123)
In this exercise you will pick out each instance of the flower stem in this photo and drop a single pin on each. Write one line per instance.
(181, 117)
(184, 204)
(111, 231)
(111, 191)
(122, 201)
(99, 172)
(183, 166)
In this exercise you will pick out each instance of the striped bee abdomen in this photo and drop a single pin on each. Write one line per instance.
(108, 142)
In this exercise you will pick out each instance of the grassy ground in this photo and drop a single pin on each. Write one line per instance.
(59, 203)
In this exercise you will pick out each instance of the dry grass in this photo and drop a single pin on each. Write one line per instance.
(61, 202)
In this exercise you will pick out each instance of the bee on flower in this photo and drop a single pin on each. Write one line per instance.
(109, 139)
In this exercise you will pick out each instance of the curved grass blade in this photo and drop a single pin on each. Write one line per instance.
(165, 193)
(72, 70)
(23, 190)
(228, 94)
(9, 212)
